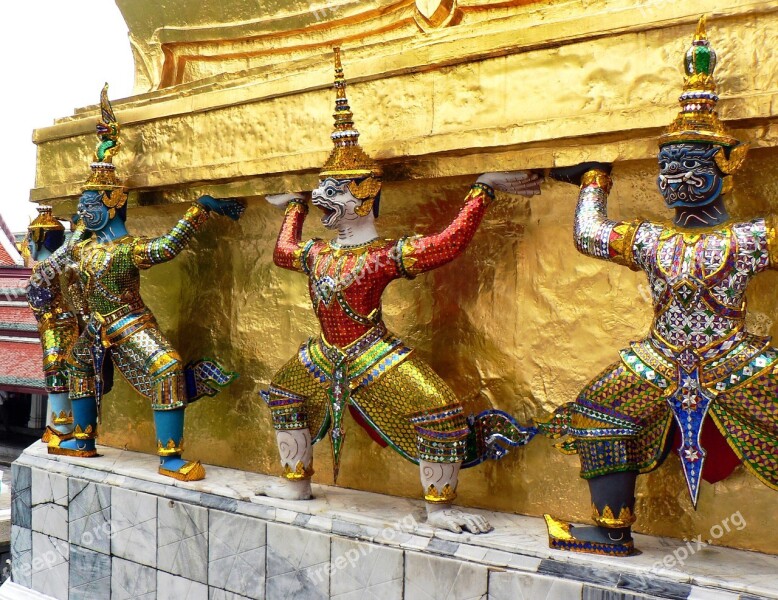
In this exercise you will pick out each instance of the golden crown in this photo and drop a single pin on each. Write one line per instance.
(698, 120)
(43, 224)
(348, 160)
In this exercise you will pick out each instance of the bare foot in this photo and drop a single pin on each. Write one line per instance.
(286, 490)
(453, 519)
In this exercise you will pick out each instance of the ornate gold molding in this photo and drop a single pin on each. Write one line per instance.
(432, 14)
(461, 122)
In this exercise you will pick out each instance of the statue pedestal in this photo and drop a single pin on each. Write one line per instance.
(111, 527)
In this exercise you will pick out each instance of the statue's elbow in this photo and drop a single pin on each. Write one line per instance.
(280, 258)
(581, 246)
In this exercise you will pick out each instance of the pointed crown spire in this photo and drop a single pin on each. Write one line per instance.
(103, 177)
(348, 160)
(698, 120)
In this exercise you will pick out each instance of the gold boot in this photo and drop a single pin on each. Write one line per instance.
(191, 471)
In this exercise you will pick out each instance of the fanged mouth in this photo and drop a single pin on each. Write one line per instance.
(90, 219)
(332, 212)
(677, 179)
(329, 217)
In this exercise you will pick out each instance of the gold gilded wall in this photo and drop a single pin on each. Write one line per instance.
(520, 322)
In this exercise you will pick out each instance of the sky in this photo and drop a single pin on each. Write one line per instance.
(56, 55)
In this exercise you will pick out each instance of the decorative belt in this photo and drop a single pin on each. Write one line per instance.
(360, 363)
(706, 353)
(354, 350)
(732, 362)
(55, 319)
(135, 305)
(124, 322)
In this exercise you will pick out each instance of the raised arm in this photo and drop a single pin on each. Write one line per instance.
(289, 246)
(594, 233)
(63, 256)
(418, 254)
(147, 253)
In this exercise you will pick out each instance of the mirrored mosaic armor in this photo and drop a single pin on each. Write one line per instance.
(698, 359)
(120, 330)
(356, 364)
(356, 361)
(55, 298)
(699, 382)
(120, 320)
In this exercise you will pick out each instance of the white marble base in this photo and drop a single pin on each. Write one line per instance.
(49, 504)
(112, 528)
(132, 581)
(237, 553)
(50, 567)
(134, 526)
(439, 578)
(297, 563)
(180, 588)
(366, 571)
(13, 591)
(182, 540)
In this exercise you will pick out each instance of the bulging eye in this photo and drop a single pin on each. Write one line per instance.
(663, 165)
(691, 163)
(330, 192)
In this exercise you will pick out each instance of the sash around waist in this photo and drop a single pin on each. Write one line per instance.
(362, 362)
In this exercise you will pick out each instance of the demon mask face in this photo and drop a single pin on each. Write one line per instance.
(92, 211)
(689, 175)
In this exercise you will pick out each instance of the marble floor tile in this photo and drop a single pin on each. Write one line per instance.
(362, 571)
(297, 564)
(170, 587)
(131, 581)
(182, 545)
(433, 578)
(21, 555)
(50, 504)
(90, 574)
(21, 496)
(236, 554)
(510, 585)
(89, 511)
(478, 554)
(134, 526)
(49, 487)
(50, 573)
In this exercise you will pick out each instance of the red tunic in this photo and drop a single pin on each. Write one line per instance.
(346, 283)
